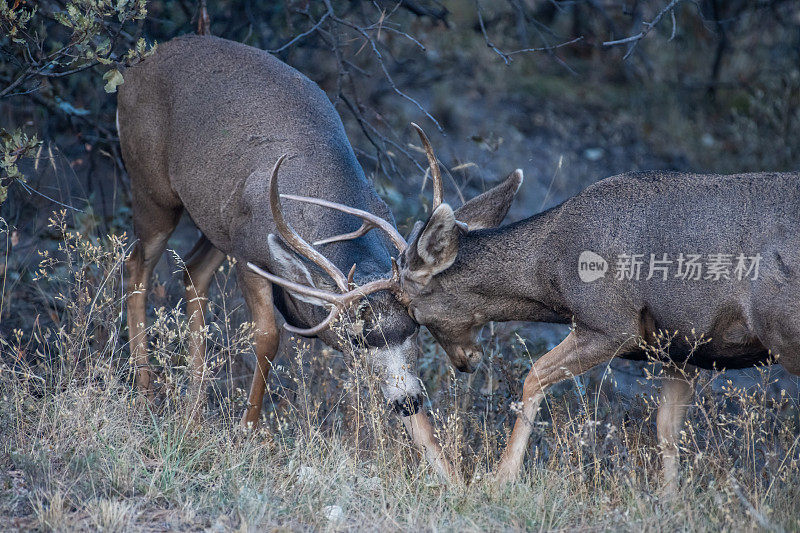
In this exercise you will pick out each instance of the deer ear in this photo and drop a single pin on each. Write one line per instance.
(435, 246)
(254, 192)
(489, 209)
(288, 265)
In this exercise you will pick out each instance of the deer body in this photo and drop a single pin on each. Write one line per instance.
(202, 123)
(740, 320)
(459, 271)
(529, 271)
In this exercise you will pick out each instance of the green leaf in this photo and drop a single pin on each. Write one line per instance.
(103, 47)
(113, 78)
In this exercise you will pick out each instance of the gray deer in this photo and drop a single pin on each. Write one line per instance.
(704, 275)
(204, 124)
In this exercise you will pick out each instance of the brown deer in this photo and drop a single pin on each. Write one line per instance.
(717, 262)
(204, 126)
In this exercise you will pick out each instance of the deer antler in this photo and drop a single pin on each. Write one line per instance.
(339, 301)
(203, 20)
(344, 283)
(348, 293)
(371, 221)
(293, 239)
(436, 173)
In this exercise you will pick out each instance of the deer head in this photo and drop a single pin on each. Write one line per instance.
(374, 321)
(436, 294)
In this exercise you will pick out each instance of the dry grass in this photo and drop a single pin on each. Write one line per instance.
(81, 452)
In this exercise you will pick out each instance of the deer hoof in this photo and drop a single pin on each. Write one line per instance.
(505, 474)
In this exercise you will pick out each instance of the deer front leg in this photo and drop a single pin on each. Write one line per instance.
(421, 431)
(570, 358)
(201, 263)
(676, 394)
(258, 296)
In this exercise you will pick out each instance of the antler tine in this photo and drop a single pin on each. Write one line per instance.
(363, 230)
(388, 284)
(339, 301)
(308, 291)
(391, 283)
(370, 221)
(299, 288)
(436, 173)
(310, 332)
(292, 238)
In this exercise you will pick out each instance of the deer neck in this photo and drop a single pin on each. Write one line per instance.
(511, 272)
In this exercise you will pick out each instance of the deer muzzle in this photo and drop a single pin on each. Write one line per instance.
(407, 406)
(401, 386)
(466, 359)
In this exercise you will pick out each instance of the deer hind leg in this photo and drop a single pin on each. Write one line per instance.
(571, 357)
(676, 394)
(139, 266)
(258, 295)
(201, 263)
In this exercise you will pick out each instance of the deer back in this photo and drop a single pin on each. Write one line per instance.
(202, 122)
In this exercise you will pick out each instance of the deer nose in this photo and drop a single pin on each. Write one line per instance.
(408, 405)
(464, 366)
(467, 359)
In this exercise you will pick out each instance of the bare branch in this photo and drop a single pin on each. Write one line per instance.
(506, 56)
(546, 48)
(648, 27)
(379, 58)
(296, 38)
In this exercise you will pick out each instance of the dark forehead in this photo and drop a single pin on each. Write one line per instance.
(386, 320)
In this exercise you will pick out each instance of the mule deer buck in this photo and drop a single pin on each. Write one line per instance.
(704, 274)
(205, 125)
